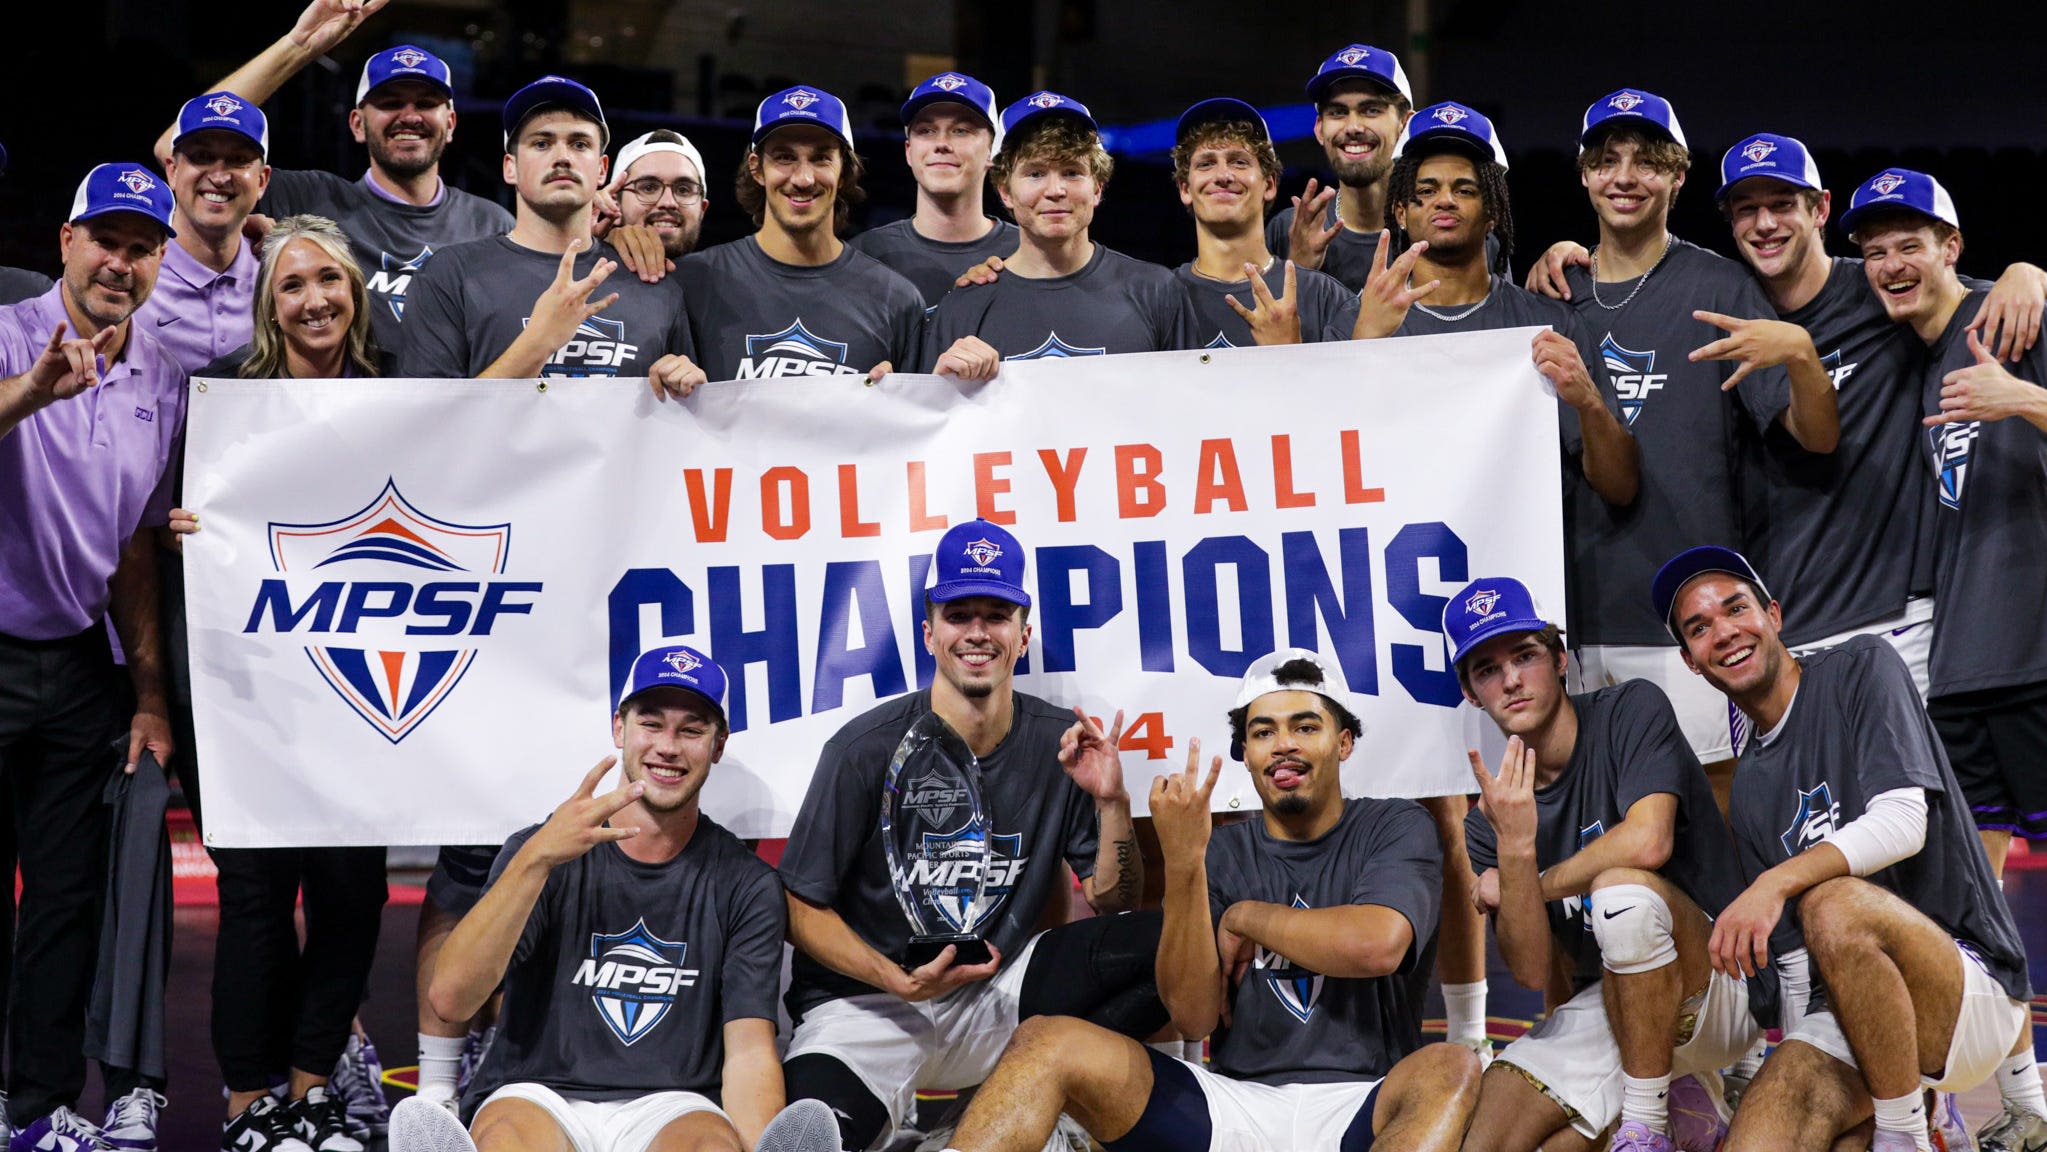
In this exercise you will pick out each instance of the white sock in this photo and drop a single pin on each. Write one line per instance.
(1464, 1012)
(440, 1065)
(1192, 1050)
(1751, 1061)
(2018, 1081)
(1905, 1114)
(1644, 1101)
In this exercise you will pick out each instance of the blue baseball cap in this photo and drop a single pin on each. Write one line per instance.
(553, 92)
(1451, 124)
(1220, 108)
(677, 666)
(803, 105)
(1487, 608)
(1634, 107)
(1361, 62)
(1901, 188)
(954, 88)
(1680, 569)
(224, 112)
(979, 558)
(1041, 104)
(404, 62)
(113, 188)
(1770, 155)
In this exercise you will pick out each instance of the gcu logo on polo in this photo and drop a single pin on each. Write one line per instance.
(1626, 102)
(224, 105)
(633, 977)
(409, 57)
(1482, 602)
(1887, 183)
(402, 592)
(984, 552)
(800, 99)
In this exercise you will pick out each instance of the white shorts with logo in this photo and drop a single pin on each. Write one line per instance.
(608, 1125)
(1709, 722)
(1985, 1030)
(896, 1047)
(1573, 1057)
(1910, 632)
(1251, 1117)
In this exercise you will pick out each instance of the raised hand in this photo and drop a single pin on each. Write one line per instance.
(567, 303)
(579, 824)
(1307, 240)
(2010, 316)
(1386, 298)
(326, 23)
(1179, 808)
(1753, 344)
(1985, 391)
(1508, 799)
(1091, 758)
(1272, 321)
(67, 368)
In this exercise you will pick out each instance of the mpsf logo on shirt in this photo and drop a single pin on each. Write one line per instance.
(394, 276)
(1633, 374)
(1220, 341)
(1482, 602)
(1952, 445)
(399, 593)
(633, 977)
(1296, 988)
(794, 351)
(1837, 371)
(946, 870)
(598, 348)
(1818, 815)
(1581, 907)
(1055, 348)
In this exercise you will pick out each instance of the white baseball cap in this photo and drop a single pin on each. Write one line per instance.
(1262, 677)
(646, 145)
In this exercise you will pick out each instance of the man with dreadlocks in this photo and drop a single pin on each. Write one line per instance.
(1448, 192)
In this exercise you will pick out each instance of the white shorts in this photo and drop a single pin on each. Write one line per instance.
(1910, 632)
(1710, 723)
(1985, 1030)
(608, 1125)
(896, 1047)
(1251, 1117)
(1572, 1056)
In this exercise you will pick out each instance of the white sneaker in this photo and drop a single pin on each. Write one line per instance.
(803, 1126)
(422, 1126)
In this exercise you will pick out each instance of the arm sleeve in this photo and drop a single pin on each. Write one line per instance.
(1766, 392)
(1890, 829)
(435, 340)
(755, 923)
(1403, 870)
(542, 916)
(1651, 751)
(840, 811)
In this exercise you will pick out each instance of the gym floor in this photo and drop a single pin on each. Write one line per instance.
(192, 1122)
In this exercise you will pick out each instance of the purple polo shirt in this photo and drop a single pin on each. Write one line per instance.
(197, 314)
(80, 476)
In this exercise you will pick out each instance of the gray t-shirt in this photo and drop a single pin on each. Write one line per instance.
(1629, 747)
(1990, 618)
(1856, 729)
(933, 266)
(755, 317)
(626, 973)
(1688, 430)
(475, 298)
(1113, 304)
(18, 284)
(1845, 535)
(1328, 310)
(835, 857)
(392, 241)
(1290, 1025)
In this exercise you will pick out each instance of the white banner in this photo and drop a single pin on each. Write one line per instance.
(414, 602)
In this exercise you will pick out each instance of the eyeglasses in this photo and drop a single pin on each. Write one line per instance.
(649, 190)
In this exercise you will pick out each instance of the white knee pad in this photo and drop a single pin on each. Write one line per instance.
(1632, 924)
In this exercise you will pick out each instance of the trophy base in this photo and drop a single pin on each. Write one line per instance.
(923, 950)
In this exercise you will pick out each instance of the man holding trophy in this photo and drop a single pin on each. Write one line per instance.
(925, 851)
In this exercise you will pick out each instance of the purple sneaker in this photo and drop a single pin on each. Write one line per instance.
(1635, 1136)
(1695, 1121)
(131, 1121)
(60, 1131)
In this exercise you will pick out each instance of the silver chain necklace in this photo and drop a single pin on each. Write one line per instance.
(1454, 317)
(1668, 240)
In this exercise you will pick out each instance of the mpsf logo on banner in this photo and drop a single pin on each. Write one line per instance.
(383, 592)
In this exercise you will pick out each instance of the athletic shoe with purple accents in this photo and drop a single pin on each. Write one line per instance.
(60, 1131)
(1945, 1128)
(1635, 1136)
(131, 1121)
(1695, 1121)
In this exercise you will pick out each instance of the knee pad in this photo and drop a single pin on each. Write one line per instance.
(1632, 925)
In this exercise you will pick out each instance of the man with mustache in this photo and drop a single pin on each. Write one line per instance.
(400, 212)
(91, 407)
(793, 299)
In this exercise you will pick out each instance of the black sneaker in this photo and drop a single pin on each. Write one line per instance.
(322, 1122)
(264, 1126)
